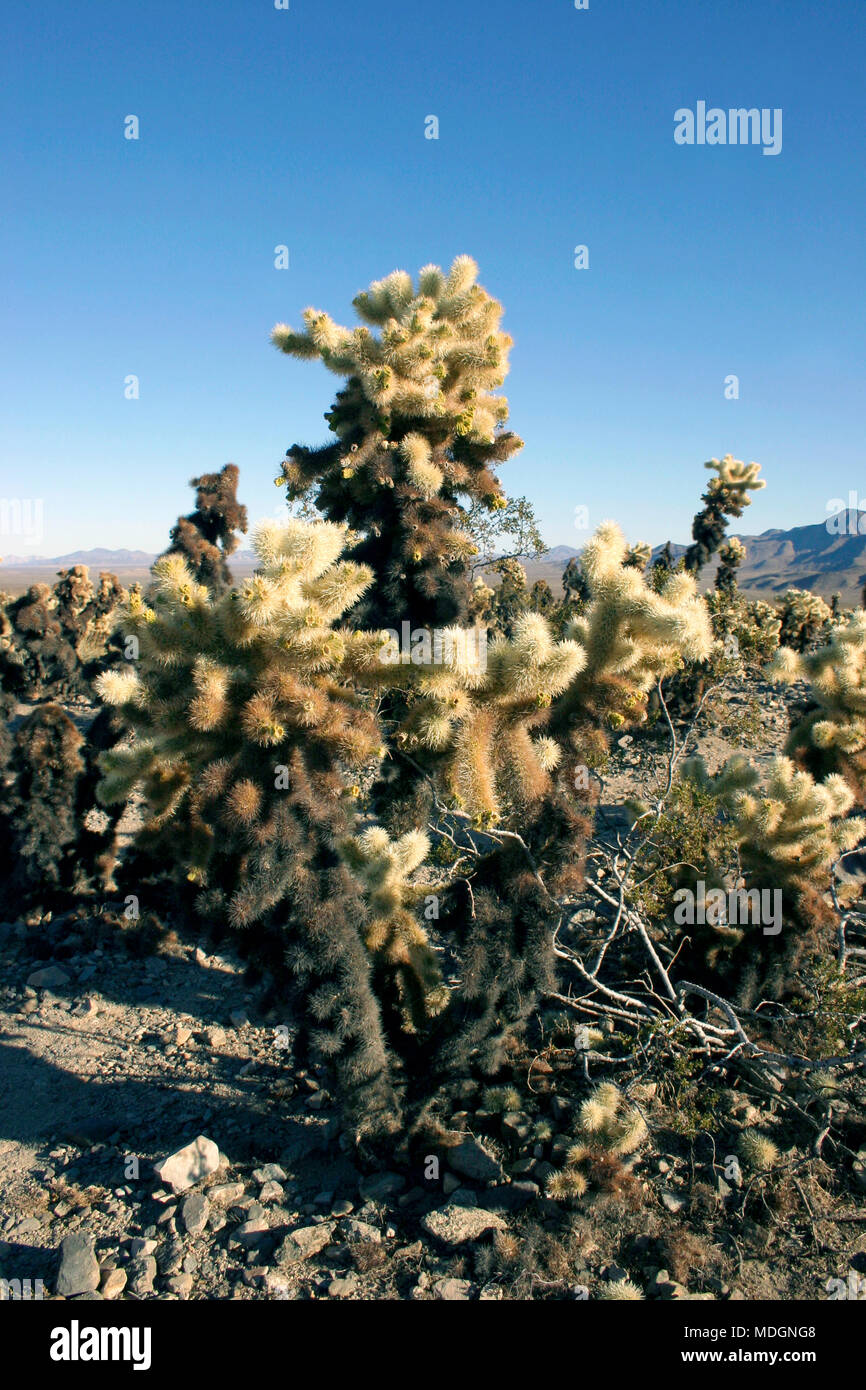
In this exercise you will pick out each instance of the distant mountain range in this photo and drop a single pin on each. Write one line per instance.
(824, 560)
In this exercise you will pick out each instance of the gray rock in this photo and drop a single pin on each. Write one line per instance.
(459, 1225)
(141, 1273)
(514, 1197)
(516, 1127)
(673, 1201)
(305, 1242)
(271, 1192)
(859, 1169)
(470, 1160)
(79, 1271)
(113, 1283)
(226, 1194)
(51, 977)
(189, 1165)
(355, 1232)
(180, 1284)
(271, 1172)
(194, 1212)
(138, 1246)
(452, 1290)
(378, 1187)
(343, 1288)
(249, 1233)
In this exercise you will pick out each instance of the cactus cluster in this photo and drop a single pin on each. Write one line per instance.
(247, 743)
(208, 535)
(631, 634)
(55, 840)
(54, 639)
(418, 428)
(789, 831)
(804, 616)
(831, 735)
(609, 1129)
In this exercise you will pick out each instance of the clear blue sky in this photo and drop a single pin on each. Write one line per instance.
(306, 127)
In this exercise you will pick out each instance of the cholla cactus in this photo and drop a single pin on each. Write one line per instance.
(54, 640)
(609, 1123)
(207, 536)
(757, 1150)
(394, 936)
(727, 495)
(609, 1129)
(52, 842)
(418, 428)
(832, 735)
(790, 829)
(638, 555)
(476, 710)
(803, 615)
(631, 636)
(731, 556)
(746, 630)
(246, 738)
(624, 1290)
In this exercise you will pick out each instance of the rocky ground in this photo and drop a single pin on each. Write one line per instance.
(114, 1061)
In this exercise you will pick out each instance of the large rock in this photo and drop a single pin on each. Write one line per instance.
(79, 1271)
(189, 1165)
(194, 1213)
(452, 1290)
(141, 1273)
(470, 1160)
(459, 1225)
(305, 1242)
(52, 977)
(378, 1187)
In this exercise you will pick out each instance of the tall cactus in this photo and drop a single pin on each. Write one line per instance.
(418, 427)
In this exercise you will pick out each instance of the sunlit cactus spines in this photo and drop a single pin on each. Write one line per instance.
(731, 556)
(246, 740)
(789, 827)
(804, 617)
(831, 735)
(727, 494)
(394, 935)
(757, 1150)
(621, 1290)
(631, 635)
(482, 720)
(419, 432)
(609, 1122)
